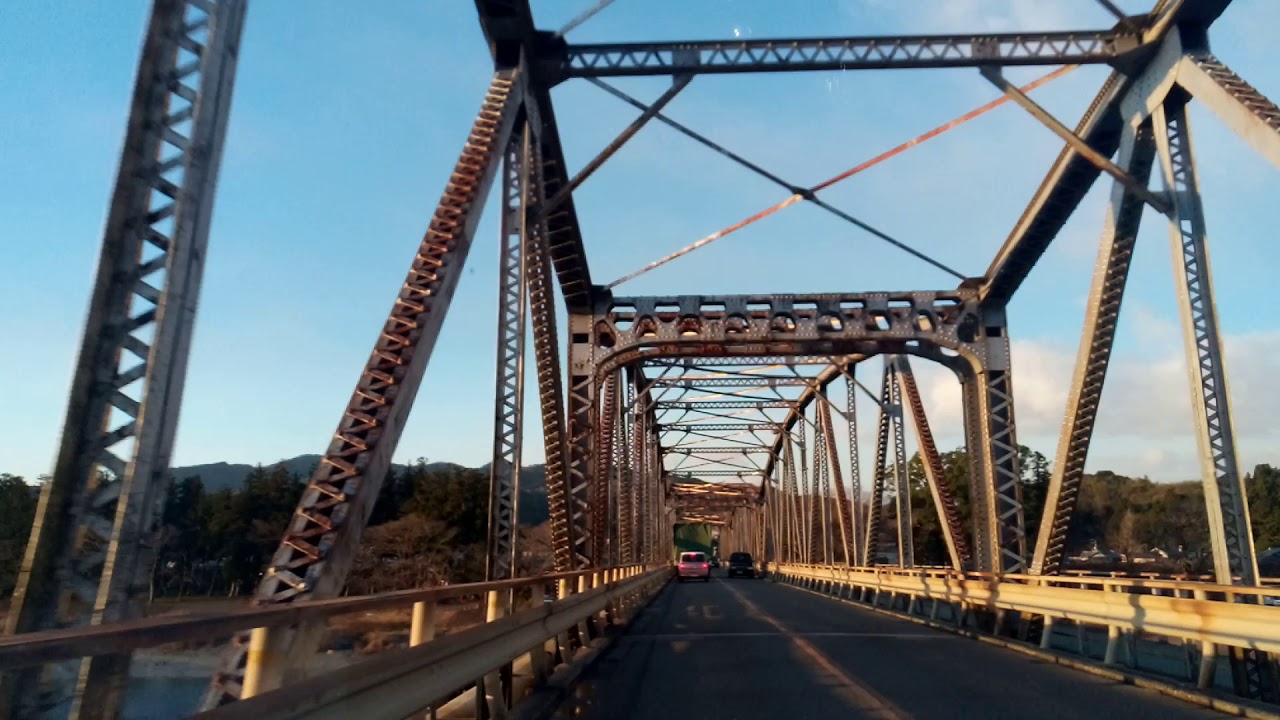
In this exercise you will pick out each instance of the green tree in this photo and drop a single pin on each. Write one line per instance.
(1263, 487)
(455, 496)
(17, 512)
(396, 490)
(182, 538)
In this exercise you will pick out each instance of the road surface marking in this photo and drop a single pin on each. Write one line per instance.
(868, 700)
(702, 636)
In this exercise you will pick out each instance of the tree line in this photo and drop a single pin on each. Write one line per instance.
(1125, 515)
(429, 524)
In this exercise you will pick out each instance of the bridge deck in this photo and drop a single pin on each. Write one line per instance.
(753, 649)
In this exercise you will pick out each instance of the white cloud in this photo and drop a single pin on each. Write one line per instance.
(1145, 422)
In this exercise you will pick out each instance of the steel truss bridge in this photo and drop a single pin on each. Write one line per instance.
(691, 408)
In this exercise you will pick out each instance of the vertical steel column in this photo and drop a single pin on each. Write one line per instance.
(902, 489)
(842, 501)
(1115, 253)
(322, 538)
(583, 414)
(91, 545)
(855, 469)
(601, 497)
(944, 498)
(1230, 533)
(546, 348)
(1232, 541)
(809, 492)
(875, 513)
(639, 462)
(822, 495)
(777, 503)
(795, 509)
(986, 556)
(650, 475)
(991, 428)
(508, 413)
(761, 534)
(628, 488)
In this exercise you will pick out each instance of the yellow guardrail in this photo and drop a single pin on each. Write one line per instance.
(548, 632)
(400, 683)
(1205, 613)
(1192, 611)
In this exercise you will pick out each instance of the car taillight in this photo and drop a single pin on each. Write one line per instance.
(704, 566)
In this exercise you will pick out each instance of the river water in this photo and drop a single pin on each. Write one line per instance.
(163, 698)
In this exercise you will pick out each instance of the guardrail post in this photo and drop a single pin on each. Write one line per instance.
(1046, 633)
(586, 626)
(1113, 644)
(1208, 666)
(264, 670)
(1208, 656)
(423, 626)
(565, 643)
(607, 578)
(542, 654)
(493, 687)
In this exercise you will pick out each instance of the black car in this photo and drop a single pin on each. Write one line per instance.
(740, 563)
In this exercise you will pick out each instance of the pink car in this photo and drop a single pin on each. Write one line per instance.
(693, 565)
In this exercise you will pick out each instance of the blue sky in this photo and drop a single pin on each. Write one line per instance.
(346, 122)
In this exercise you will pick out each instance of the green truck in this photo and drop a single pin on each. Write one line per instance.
(692, 537)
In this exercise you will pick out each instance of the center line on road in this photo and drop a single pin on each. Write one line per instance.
(781, 633)
(867, 699)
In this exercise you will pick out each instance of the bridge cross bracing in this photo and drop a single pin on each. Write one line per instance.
(708, 409)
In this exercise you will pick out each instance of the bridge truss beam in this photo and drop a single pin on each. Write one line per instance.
(604, 509)
(322, 538)
(89, 556)
(845, 53)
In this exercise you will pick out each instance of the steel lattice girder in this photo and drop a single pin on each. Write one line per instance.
(1071, 175)
(90, 551)
(321, 541)
(1115, 253)
(669, 405)
(718, 427)
(940, 488)
(508, 28)
(542, 317)
(849, 53)
(1230, 536)
(810, 324)
(504, 470)
(1237, 103)
(732, 382)
(740, 361)
(719, 450)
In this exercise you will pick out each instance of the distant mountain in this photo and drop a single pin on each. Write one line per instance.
(532, 506)
(230, 476)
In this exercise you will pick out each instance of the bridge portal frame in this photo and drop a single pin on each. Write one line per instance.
(950, 327)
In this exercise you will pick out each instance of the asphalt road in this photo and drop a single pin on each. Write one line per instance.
(746, 649)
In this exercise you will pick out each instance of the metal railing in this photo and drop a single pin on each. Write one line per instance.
(1206, 618)
(565, 612)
